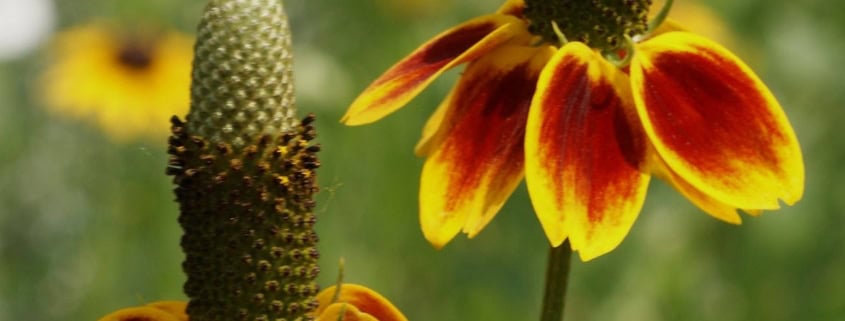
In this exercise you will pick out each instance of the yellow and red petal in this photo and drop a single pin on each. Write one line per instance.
(432, 134)
(358, 303)
(158, 311)
(402, 82)
(704, 202)
(478, 162)
(714, 123)
(583, 152)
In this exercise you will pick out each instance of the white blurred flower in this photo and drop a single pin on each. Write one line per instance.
(23, 25)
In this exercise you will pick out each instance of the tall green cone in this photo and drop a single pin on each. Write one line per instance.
(244, 172)
(243, 72)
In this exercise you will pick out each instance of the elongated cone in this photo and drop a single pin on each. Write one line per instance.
(242, 80)
(244, 172)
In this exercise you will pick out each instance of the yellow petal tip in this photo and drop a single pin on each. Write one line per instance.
(587, 256)
(356, 119)
(437, 240)
(555, 238)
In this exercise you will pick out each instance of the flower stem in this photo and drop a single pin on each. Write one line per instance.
(557, 278)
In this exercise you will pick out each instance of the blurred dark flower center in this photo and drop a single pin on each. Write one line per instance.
(135, 56)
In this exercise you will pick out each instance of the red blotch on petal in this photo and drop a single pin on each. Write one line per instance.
(436, 54)
(489, 130)
(584, 152)
(715, 124)
(479, 162)
(588, 131)
(408, 77)
(697, 110)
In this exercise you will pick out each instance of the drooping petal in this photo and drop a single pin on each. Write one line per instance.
(402, 82)
(479, 161)
(158, 311)
(583, 152)
(715, 123)
(360, 302)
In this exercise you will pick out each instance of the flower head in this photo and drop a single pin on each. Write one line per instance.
(245, 176)
(127, 83)
(587, 100)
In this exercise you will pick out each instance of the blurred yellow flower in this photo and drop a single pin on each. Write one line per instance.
(701, 19)
(129, 83)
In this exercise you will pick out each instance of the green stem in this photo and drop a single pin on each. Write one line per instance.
(557, 278)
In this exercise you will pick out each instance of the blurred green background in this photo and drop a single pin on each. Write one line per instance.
(88, 225)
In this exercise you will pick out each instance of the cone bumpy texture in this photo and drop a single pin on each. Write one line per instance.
(243, 72)
(244, 173)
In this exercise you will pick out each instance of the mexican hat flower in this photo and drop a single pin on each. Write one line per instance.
(128, 83)
(245, 171)
(587, 100)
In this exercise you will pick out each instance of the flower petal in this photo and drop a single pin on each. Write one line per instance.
(477, 165)
(715, 123)
(432, 134)
(176, 308)
(704, 202)
(344, 312)
(158, 311)
(583, 152)
(402, 82)
(512, 7)
(360, 302)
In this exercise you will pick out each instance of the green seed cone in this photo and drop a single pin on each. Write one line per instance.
(244, 172)
(242, 82)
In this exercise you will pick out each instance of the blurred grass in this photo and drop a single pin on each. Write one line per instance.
(88, 226)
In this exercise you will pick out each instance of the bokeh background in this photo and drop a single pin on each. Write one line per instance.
(88, 225)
